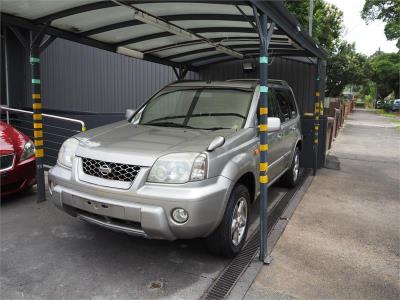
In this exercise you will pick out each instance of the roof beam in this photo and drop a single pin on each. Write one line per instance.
(170, 18)
(205, 58)
(238, 46)
(106, 4)
(174, 29)
(47, 43)
(278, 13)
(227, 58)
(220, 40)
(75, 10)
(248, 54)
(281, 54)
(24, 42)
(24, 23)
(194, 30)
(249, 19)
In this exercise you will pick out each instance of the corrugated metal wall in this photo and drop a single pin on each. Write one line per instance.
(299, 74)
(84, 79)
(80, 78)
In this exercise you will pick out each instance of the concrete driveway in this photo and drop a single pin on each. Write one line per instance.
(344, 238)
(46, 254)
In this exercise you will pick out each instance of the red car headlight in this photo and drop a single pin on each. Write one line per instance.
(29, 150)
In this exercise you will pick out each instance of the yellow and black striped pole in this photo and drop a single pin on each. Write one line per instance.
(37, 121)
(317, 112)
(263, 129)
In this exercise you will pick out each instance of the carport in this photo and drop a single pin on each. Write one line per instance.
(185, 35)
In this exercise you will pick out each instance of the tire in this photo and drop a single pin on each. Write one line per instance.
(291, 177)
(221, 241)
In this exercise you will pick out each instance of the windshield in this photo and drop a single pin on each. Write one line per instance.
(198, 108)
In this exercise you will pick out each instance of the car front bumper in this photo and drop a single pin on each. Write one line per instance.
(20, 177)
(144, 209)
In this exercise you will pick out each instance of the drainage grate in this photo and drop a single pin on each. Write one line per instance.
(222, 286)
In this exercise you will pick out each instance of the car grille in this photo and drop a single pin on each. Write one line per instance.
(6, 161)
(109, 170)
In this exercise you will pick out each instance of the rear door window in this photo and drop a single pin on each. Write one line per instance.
(286, 104)
(273, 110)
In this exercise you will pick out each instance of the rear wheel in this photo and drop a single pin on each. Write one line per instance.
(228, 239)
(291, 177)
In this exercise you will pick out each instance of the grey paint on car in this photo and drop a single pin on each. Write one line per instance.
(146, 208)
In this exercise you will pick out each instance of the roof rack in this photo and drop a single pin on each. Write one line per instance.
(277, 81)
(273, 81)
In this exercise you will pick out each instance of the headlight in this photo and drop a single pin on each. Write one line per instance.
(67, 152)
(179, 168)
(29, 150)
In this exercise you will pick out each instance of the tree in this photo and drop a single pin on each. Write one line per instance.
(327, 24)
(387, 11)
(384, 71)
(345, 66)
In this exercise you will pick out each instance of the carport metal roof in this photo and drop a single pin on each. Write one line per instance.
(177, 33)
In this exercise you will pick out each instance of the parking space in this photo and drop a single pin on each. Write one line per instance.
(48, 254)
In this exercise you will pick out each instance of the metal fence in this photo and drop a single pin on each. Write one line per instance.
(56, 129)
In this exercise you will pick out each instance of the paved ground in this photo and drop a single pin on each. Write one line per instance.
(343, 240)
(46, 254)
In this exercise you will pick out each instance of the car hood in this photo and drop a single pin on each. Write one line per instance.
(142, 144)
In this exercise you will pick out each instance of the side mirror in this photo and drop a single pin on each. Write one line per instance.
(215, 143)
(129, 113)
(274, 124)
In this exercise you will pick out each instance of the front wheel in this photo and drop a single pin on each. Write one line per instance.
(291, 177)
(228, 239)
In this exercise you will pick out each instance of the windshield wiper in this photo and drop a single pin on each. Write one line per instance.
(168, 124)
(215, 128)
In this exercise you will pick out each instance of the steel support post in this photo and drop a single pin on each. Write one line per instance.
(7, 78)
(317, 112)
(321, 84)
(181, 72)
(37, 116)
(263, 129)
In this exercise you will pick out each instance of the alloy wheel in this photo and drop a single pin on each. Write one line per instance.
(239, 221)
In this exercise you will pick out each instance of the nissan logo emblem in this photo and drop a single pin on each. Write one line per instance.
(105, 170)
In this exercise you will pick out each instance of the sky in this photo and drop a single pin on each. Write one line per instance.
(368, 38)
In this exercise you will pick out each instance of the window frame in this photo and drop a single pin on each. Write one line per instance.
(291, 101)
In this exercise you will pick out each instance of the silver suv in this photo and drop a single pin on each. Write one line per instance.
(184, 165)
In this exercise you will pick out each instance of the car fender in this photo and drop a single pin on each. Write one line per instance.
(293, 149)
(240, 165)
(234, 169)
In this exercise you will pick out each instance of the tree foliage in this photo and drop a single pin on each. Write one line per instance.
(327, 21)
(345, 66)
(387, 11)
(385, 71)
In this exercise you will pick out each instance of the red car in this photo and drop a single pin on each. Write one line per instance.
(17, 165)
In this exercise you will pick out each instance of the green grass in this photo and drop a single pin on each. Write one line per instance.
(389, 114)
(394, 117)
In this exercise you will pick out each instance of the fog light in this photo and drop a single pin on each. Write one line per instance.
(180, 215)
